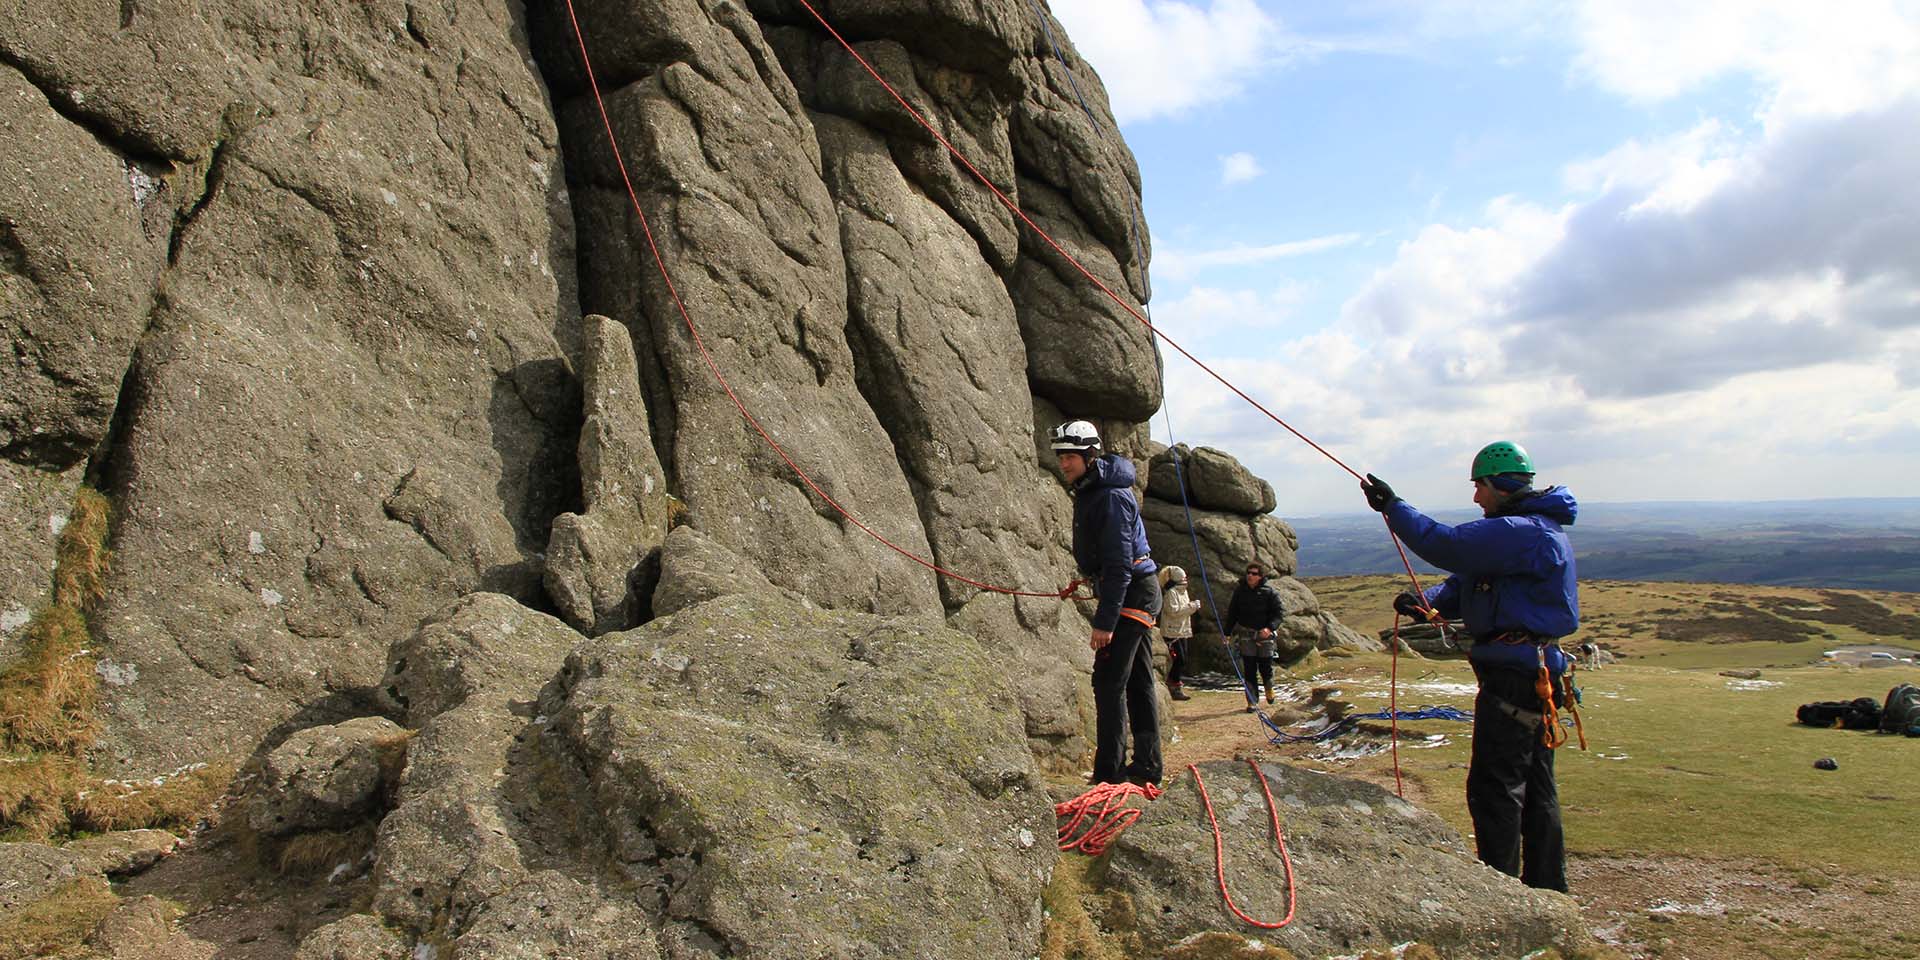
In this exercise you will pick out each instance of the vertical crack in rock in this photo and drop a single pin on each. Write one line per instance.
(185, 219)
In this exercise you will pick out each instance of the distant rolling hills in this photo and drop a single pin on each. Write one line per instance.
(1866, 544)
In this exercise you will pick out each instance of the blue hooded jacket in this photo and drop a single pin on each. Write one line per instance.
(1107, 534)
(1513, 571)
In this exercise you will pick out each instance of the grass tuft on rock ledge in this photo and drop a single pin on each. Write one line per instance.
(48, 720)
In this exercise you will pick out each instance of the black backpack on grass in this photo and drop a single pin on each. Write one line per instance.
(1902, 711)
(1860, 713)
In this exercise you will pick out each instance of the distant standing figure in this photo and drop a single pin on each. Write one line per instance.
(1110, 547)
(1590, 652)
(1513, 583)
(1176, 625)
(1253, 617)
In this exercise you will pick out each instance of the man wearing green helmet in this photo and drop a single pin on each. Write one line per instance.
(1512, 582)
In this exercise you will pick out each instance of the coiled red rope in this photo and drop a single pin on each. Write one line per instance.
(1104, 812)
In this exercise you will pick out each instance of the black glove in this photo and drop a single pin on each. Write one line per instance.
(1379, 495)
(1409, 604)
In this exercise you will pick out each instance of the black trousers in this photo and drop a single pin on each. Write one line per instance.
(1259, 670)
(1511, 793)
(1123, 694)
(1176, 660)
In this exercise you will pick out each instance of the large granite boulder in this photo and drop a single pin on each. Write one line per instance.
(1214, 480)
(773, 778)
(1228, 541)
(796, 782)
(1340, 833)
(479, 813)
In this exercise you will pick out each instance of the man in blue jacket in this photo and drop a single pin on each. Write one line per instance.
(1513, 583)
(1110, 549)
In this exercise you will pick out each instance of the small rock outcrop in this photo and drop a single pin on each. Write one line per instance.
(1229, 538)
(601, 563)
(326, 777)
(357, 937)
(1213, 480)
(1338, 831)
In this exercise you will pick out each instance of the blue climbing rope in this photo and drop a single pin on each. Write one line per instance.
(1166, 402)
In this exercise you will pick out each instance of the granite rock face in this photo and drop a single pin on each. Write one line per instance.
(601, 564)
(345, 306)
(297, 284)
(1338, 830)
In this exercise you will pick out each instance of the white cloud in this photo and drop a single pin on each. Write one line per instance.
(1161, 58)
(1719, 318)
(1178, 264)
(1817, 59)
(1238, 168)
(1210, 313)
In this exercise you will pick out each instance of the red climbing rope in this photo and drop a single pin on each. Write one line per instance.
(1105, 812)
(613, 144)
(1135, 314)
(1043, 235)
(1220, 850)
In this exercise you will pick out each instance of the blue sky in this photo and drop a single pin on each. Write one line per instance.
(1672, 249)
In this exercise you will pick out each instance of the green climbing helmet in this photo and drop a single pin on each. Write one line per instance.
(1501, 456)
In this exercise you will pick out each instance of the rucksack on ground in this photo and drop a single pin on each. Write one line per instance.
(1901, 713)
(1860, 713)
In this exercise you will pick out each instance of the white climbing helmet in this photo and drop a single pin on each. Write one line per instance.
(1074, 436)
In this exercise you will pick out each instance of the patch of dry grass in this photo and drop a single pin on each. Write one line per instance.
(48, 699)
(1073, 930)
(56, 924)
(319, 851)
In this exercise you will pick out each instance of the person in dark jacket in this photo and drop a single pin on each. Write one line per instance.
(1110, 548)
(1513, 583)
(1253, 620)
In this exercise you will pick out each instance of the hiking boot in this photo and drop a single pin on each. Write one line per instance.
(1269, 693)
(1176, 693)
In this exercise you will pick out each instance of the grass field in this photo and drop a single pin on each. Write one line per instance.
(1697, 823)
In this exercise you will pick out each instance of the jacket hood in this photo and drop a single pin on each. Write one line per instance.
(1554, 503)
(1112, 470)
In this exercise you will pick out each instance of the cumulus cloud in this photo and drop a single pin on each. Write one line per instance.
(1163, 57)
(1713, 312)
(1238, 168)
(1815, 59)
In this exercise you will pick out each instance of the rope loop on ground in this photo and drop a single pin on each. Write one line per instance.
(1220, 850)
